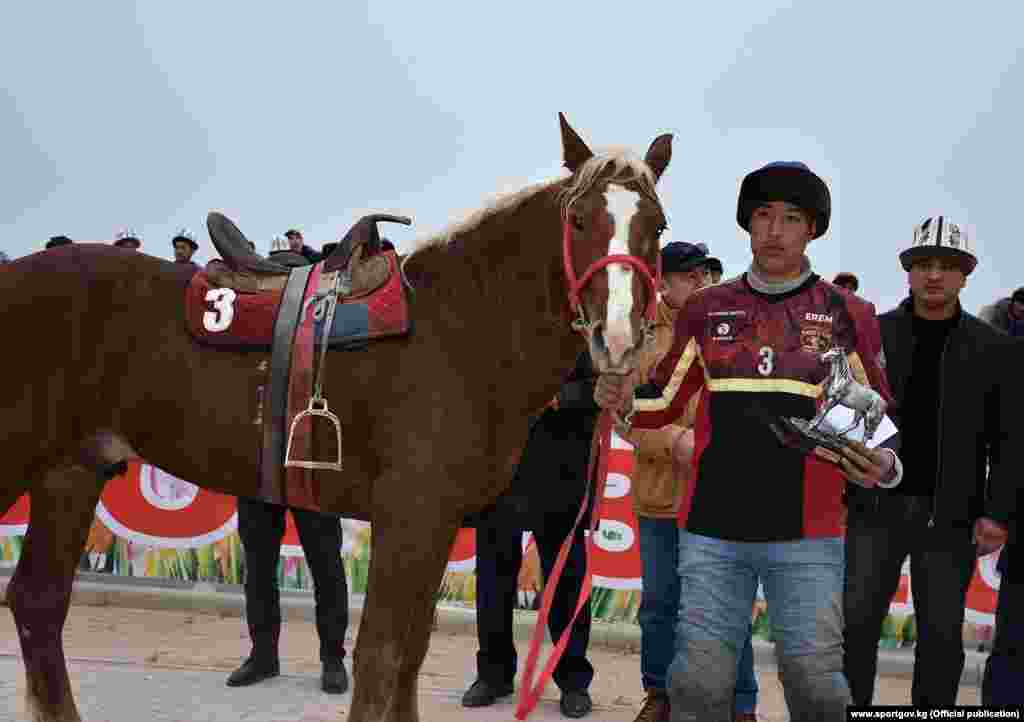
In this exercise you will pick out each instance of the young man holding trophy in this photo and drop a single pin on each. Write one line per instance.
(951, 385)
(759, 509)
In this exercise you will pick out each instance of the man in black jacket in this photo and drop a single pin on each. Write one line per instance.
(298, 245)
(549, 479)
(261, 526)
(948, 374)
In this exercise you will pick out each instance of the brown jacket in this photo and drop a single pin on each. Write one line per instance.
(657, 485)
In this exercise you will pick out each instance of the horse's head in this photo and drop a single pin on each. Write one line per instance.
(613, 219)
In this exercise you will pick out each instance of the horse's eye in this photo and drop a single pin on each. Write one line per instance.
(577, 223)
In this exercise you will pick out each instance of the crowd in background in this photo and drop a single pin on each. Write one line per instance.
(1006, 314)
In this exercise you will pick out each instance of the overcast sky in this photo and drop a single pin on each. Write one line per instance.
(150, 114)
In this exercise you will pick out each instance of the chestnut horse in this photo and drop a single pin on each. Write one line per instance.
(432, 422)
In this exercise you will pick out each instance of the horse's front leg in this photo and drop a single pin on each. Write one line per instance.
(411, 539)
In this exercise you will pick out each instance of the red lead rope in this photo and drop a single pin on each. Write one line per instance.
(529, 692)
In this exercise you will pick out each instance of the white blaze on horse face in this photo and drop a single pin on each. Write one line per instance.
(618, 330)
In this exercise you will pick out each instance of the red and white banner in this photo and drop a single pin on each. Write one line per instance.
(153, 508)
(149, 506)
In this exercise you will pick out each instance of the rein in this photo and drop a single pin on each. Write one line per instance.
(531, 691)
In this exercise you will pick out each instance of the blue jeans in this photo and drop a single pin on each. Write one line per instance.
(659, 612)
(803, 585)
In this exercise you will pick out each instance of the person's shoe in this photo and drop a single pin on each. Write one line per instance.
(334, 678)
(745, 717)
(253, 670)
(656, 707)
(483, 694)
(576, 703)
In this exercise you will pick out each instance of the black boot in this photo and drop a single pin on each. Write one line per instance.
(254, 669)
(576, 703)
(334, 678)
(483, 693)
(263, 662)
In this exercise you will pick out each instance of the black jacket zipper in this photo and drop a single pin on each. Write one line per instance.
(938, 435)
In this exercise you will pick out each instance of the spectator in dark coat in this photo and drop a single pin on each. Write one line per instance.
(1003, 683)
(1006, 314)
(297, 245)
(261, 527)
(185, 246)
(551, 473)
(715, 270)
(948, 374)
(58, 241)
(128, 239)
(847, 280)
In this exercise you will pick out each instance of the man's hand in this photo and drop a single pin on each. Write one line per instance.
(615, 391)
(863, 466)
(989, 535)
(682, 448)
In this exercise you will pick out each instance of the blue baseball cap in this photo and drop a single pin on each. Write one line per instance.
(680, 256)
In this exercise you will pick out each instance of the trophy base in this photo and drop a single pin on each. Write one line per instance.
(797, 434)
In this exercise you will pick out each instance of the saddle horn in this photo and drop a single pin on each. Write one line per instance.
(233, 248)
(362, 231)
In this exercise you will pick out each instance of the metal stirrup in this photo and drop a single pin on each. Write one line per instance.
(318, 404)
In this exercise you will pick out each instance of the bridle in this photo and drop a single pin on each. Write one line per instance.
(576, 285)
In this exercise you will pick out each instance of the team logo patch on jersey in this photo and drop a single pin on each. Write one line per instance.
(724, 324)
(815, 337)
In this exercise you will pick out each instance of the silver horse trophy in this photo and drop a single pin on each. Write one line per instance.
(839, 388)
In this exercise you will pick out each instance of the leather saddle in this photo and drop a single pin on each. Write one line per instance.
(357, 257)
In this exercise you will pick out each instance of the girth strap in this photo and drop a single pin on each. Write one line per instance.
(276, 416)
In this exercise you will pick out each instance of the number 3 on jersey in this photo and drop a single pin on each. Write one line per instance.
(223, 300)
(767, 361)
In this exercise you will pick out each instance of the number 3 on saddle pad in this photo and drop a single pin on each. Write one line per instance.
(219, 320)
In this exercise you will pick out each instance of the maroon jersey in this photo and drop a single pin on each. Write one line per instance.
(754, 355)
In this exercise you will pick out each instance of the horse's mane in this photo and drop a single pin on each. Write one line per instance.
(505, 203)
(617, 165)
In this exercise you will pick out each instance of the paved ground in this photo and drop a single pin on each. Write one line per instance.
(129, 665)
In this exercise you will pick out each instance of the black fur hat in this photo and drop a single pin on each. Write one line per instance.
(789, 181)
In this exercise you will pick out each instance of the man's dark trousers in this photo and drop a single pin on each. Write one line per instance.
(498, 559)
(261, 527)
(1003, 683)
(942, 562)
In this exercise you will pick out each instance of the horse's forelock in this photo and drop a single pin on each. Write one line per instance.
(618, 166)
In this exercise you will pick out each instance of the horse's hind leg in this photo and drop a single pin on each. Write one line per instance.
(410, 548)
(39, 593)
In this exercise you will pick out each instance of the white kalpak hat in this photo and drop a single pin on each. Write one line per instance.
(939, 236)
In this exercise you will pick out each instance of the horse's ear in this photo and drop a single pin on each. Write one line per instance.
(659, 154)
(574, 151)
